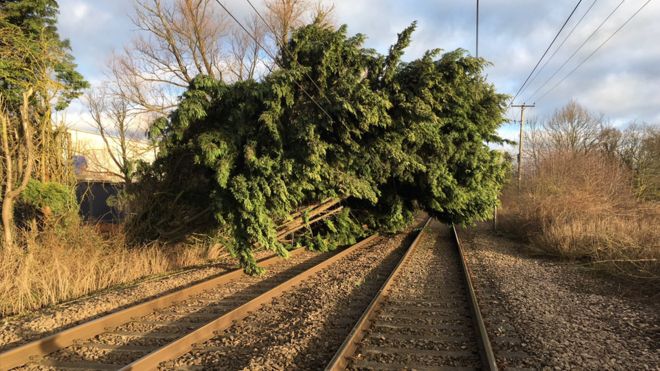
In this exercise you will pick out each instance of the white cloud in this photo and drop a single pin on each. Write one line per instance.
(619, 81)
(72, 13)
(80, 11)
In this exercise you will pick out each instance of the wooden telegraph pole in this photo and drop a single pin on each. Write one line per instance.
(520, 139)
(477, 33)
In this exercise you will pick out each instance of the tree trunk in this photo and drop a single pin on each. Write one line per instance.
(45, 146)
(7, 201)
(11, 193)
(8, 221)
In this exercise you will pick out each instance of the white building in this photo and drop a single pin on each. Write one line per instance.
(93, 160)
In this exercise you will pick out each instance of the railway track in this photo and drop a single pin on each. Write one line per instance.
(302, 329)
(425, 316)
(510, 350)
(142, 336)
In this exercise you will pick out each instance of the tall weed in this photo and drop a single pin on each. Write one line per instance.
(582, 206)
(55, 266)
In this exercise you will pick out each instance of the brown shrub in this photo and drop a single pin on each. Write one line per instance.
(582, 205)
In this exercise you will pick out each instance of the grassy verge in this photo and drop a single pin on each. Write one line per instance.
(583, 207)
(57, 266)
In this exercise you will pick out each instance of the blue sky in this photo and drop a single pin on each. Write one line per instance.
(620, 81)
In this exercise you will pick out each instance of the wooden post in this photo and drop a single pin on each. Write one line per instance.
(477, 33)
(495, 218)
(520, 139)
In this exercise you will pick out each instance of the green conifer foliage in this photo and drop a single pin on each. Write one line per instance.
(400, 137)
(32, 25)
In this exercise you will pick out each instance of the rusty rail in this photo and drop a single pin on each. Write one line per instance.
(486, 350)
(206, 332)
(22, 354)
(341, 359)
(346, 350)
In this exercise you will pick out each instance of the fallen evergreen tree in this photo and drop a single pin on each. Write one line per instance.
(236, 160)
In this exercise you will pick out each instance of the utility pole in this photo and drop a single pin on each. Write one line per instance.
(477, 37)
(520, 139)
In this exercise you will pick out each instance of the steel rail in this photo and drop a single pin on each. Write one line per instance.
(22, 354)
(486, 350)
(348, 347)
(207, 332)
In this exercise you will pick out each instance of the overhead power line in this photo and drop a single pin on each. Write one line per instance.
(282, 46)
(273, 57)
(546, 51)
(595, 50)
(561, 44)
(540, 87)
(247, 32)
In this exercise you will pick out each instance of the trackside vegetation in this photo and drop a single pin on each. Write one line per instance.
(335, 120)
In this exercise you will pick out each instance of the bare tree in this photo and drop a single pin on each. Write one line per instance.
(283, 16)
(245, 51)
(609, 140)
(118, 127)
(180, 40)
(630, 145)
(537, 143)
(16, 138)
(324, 14)
(639, 149)
(573, 129)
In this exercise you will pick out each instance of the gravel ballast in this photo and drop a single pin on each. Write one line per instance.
(126, 343)
(302, 329)
(561, 315)
(424, 321)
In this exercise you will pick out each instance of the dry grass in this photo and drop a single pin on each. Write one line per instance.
(582, 206)
(60, 266)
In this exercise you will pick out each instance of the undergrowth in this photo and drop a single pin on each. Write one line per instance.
(53, 266)
(582, 207)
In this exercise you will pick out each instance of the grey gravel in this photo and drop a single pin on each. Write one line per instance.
(565, 316)
(302, 329)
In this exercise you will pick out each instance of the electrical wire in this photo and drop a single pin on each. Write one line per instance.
(271, 56)
(576, 50)
(546, 52)
(595, 50)
(270, 28)
(560, 45)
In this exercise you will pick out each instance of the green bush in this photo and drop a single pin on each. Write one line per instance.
(50, 203)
